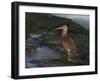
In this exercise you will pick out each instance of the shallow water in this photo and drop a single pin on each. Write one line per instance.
(41, 56)
(50, 54)
(42, 53)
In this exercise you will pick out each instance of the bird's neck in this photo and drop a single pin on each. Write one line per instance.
(64, 32)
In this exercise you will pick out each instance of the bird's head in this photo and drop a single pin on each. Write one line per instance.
(64, 27)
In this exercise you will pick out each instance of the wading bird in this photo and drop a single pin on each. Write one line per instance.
(67, 42)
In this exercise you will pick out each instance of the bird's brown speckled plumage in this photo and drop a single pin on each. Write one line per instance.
(67, 41)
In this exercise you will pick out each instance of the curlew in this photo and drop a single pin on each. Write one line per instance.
(67, 42)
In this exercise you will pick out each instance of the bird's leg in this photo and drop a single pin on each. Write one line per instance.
(69, 58)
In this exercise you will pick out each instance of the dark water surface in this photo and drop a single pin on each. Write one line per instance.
(41, 54)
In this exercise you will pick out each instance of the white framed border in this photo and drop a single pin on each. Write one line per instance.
(54, 70)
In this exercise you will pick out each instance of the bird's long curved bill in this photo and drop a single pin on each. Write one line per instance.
(59, 28)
